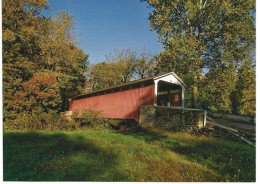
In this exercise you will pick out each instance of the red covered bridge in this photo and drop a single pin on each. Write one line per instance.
(124, 101)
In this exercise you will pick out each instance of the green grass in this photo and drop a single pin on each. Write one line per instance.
(107, 155)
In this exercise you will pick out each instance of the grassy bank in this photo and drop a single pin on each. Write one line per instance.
(106, 155)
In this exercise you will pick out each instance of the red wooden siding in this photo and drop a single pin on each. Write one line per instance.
(122, 104)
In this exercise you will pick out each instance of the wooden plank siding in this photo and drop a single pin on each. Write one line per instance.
(122, 104)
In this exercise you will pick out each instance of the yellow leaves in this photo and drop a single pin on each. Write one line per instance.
(153, 2)
(40, 3)
(8, 35)
(28, 31)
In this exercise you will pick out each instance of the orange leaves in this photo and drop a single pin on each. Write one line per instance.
(43, 90)
(40, 80)
(32, 45)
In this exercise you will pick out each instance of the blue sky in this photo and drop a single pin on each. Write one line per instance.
(104, 25)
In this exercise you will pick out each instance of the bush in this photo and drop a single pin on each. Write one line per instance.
(41, 121)
(90, 118)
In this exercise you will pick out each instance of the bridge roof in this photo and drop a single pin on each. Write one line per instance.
(132, 83)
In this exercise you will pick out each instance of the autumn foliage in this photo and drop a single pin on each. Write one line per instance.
(42, 65)
(42, 91)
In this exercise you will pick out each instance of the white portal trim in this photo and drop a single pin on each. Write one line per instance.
(171, 78)
(175, 76)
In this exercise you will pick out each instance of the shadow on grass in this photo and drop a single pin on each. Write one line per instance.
(38, 156)
(228, 158)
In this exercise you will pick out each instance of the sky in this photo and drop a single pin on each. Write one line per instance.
(101, 26)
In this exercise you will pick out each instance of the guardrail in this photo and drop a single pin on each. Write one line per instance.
(238, 133)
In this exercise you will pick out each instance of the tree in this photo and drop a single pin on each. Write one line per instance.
(121, 66)
(117, 69)
(244, 96)
(105, 75)
(33, 44)
(21, 27)
(145, 65)
(59, 53)
(42, 93)
(126, 60)
(203, 34)
(217, 89)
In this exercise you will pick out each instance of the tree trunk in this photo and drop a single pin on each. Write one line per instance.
(194, 96)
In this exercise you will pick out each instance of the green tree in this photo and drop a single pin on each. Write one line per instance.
(104, 74)
(244, 96)
(203, 34)
(217, 88)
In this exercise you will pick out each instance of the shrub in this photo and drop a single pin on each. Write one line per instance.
(39, 120)
(90, 118)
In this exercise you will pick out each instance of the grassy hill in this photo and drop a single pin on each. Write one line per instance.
(108, 155)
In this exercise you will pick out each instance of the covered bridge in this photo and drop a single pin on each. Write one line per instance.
(123, 101)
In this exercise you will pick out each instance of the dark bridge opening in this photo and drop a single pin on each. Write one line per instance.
(169, 94)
